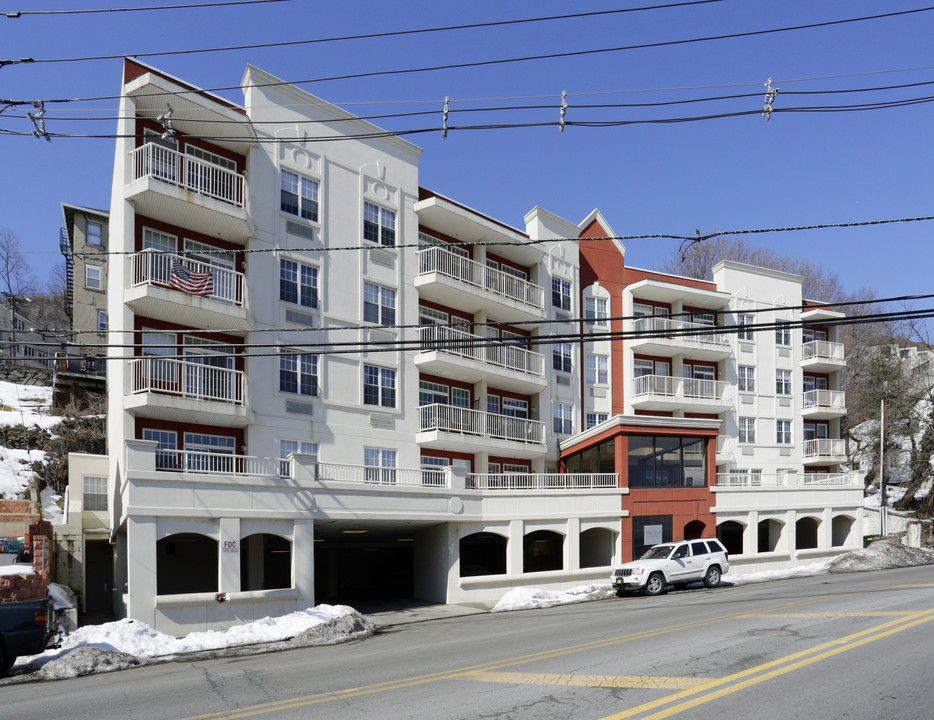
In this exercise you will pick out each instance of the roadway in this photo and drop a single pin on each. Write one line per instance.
(842, 646)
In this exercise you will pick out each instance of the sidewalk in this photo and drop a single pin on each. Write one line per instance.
(407, 612)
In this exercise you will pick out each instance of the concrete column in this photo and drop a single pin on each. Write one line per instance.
(751, 536)
(514, 549)
(229, 562)
(141, 569)
(303, 562)
(572, 545)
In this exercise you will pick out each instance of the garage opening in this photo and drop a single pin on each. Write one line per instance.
(730, 533)
(806, 533)
(364, 572)
(840, 530)
(186, 563)
(596, 547)
(265, 562)
(542, 550)
(482, 553)
(770, 534)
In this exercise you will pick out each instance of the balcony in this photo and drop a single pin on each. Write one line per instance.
(822, 451)
(186, 191)
(458, 355)
(541, 481)
(187, 391)
(453, 280)
(156, 292)
(754, 480)
(198, 462)
(447, 427)
(823, 404)
(666, 337)
(661, 392)
(821, 356)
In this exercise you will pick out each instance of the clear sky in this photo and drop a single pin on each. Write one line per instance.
(733, 173)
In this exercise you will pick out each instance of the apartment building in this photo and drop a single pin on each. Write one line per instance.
(345, 386)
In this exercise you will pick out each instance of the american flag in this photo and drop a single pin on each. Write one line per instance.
(193, 283)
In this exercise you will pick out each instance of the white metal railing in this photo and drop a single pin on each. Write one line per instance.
(831, 399)
(449, 418)
(677, 387)
(154, 267)
(823, 446)
(203, 462)
(186, 378)
(681, 331)
(541, 481)
(190, 173)
(823, 350)
(748, 478)
(444, 262)
(452, 341)
(361, 474)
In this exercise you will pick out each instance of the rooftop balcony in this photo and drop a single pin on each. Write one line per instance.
(823, 404)
(823, 451)
(458, 355)
(753, 480)
(187, 391)
(156, 291)
(541, 481)
(821, 356)
(665, 337)
(661, 392)
(447, 427)
(450, 279)
(189, 192)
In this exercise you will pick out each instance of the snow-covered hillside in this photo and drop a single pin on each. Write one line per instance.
(26, 405)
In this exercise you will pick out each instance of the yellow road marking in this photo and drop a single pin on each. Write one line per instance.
(615, 681)
(873, 613)
(801, 659)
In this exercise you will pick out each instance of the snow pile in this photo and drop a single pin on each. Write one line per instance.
(524, 598)
(128, 643)
(882, 554)
(25, 405)
(815, 568)
(51, 509)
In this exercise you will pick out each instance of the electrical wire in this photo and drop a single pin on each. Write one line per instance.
(19, 13)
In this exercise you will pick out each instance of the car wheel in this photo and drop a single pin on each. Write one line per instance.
(712, 578)
(655, 584)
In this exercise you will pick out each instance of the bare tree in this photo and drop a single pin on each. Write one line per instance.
(16, 278)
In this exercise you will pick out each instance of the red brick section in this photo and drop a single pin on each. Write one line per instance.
(15, 588)
(16, 511)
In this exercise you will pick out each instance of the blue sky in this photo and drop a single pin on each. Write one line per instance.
(714, 175)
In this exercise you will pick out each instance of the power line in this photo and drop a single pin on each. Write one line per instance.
(19, 13)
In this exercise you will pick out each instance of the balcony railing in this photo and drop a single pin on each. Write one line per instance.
(677, 387)
(681, 331)
(541, 481)
(449, 418)
(829, 399)
(153, 267)
(188, 173)
(187, 379)
(202, 462)
(364, 475)
(787, 480)
(452, 341)
(823, 350)
(444, 262)
(822, 446)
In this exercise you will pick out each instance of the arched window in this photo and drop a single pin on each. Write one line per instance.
(265, 562)
(596, 547)
(186, 563)
(730, 533)
(770, 534)
(806, 533)
(840, 530)
(542, 550)
(483, 553)
(694, 529)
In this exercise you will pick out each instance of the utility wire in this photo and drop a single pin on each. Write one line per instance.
(20, 13)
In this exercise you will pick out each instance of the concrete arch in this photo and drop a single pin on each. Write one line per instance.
(596, 547)
(265, 562)
(483, 553)
(542, 550)
(186, 563)
(730, 533)
(769, 535)
(841, 529)
(806, 533)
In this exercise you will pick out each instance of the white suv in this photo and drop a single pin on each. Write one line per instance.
(673, 563)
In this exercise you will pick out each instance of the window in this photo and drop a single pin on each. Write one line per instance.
(299, 196)
(379, 224)
(102, 321)
(560, 294)
(594, 419)
(783, 382)
(747, 430)
(166, 445)
(783, 432)
(516, 273)
(515, 408)
(298, 283)
(492, 404)
(460, 397)
(595, 310)
(561, 356)
(704, 318)
(379, 386)
(745, 323)
(95, 493)
(380, 465)
(19, 323)
(287, 447)
(746, 378)
(641, 366)
(209, 453)
(92, 277)
(782, 333)
(562, 413)
(433, 470)
(430, 393)
(379, 304)
(95, 234)
(596, 369)
(816, 431)
(667, 461)
(298, 373)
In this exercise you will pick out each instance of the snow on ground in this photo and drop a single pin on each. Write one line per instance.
(22, 405)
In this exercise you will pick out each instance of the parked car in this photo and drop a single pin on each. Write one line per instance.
(673, 563)
(27, 627)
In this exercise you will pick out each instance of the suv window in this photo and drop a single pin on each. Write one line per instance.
(699, 548)
(715, 547)
(680, 552)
